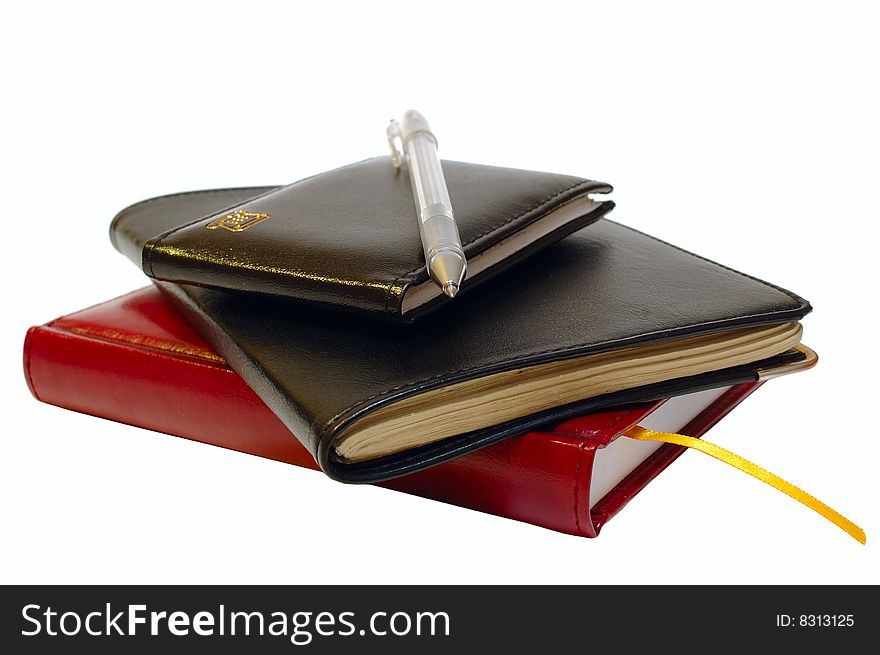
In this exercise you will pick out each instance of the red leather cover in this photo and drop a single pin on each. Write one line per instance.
(134, 360)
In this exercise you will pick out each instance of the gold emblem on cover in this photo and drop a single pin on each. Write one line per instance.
(237, 221)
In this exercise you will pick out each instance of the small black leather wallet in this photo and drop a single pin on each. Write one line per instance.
(349, 237)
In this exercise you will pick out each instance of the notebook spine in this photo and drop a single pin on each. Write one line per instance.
(157, 390)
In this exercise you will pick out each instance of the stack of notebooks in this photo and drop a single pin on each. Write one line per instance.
(299, 323)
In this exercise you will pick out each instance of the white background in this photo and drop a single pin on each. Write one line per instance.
(747, 134)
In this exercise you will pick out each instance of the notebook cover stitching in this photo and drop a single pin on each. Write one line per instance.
(153, 346)
(157, 346)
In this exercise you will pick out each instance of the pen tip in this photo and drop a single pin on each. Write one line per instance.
(450, 289)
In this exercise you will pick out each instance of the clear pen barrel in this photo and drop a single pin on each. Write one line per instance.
(426, 175)
(444, 256)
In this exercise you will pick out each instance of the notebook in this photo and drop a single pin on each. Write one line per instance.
(604, 317)
(133, 359)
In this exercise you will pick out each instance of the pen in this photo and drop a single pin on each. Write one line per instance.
(444, 256)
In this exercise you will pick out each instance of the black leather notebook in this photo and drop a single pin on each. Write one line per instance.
(606, 317)
(350, 237)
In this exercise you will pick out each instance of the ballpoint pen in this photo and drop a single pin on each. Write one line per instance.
(444, 256)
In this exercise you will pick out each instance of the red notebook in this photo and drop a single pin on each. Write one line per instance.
(134, 360)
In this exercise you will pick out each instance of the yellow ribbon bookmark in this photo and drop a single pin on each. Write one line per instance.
(640, 433)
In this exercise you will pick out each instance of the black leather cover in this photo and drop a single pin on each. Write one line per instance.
(604, 287)
(350, 237)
